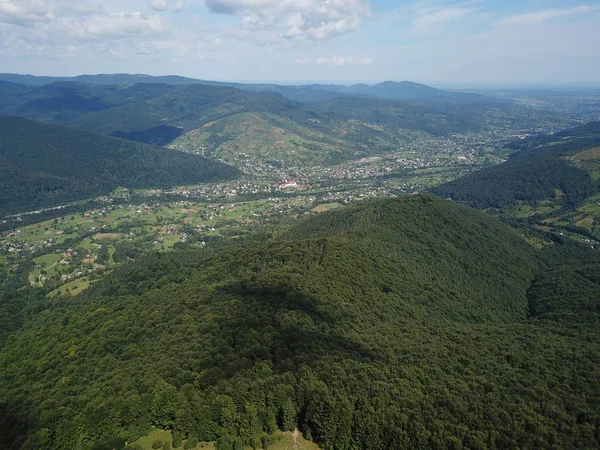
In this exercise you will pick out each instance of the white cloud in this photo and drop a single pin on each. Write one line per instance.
(425, 15)
(71, 52)
(546, 14)
(116, 25)
(177, 6)
(296, 19)
(24, 12)
(441, 16)
(159, 5)
(337, 61)
(30, 29)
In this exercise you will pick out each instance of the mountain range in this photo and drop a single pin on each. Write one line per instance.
(404, 90)
(220, 117)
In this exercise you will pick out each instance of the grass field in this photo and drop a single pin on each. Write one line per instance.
(325, 207)
(145, 442)
(589, 160)
(72, 288)
(48, 263)
(590, 154)
(285, 441)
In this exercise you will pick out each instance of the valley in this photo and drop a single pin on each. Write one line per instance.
(73, 249)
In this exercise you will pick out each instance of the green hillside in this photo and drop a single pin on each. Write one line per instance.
(547, 168)
(45, 165)
(396, 324)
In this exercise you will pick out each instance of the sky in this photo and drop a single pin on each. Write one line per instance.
(440, 42)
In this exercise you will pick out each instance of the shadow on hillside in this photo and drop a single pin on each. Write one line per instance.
(160, 135)
(279, 324)
(13, 428)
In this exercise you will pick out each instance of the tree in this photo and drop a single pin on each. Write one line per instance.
(164, 404)
(177, 439)
(192, 441)
(287, 416)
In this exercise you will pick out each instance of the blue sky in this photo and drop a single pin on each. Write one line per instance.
(468, 42)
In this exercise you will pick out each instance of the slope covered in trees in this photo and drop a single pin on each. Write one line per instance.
(541, 170)
(42, 165)
(396, 324)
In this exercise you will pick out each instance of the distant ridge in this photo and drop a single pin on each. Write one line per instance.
(391, 90)
(116, 78)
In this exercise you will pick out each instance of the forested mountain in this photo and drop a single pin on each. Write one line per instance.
(541, 169)
(45, 165)
(327, 131)
(411, 323)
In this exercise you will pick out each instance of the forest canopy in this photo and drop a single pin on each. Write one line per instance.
(396, 324)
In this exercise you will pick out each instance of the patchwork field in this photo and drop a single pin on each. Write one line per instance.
(259, 137)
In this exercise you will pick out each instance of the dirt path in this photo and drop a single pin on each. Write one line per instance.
(296, 444)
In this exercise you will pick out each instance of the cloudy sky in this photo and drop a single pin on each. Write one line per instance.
(442, 42)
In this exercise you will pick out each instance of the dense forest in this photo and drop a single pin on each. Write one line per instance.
(411, 323)
(540, 169)
(45, 165)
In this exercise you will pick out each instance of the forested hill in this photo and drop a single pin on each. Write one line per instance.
(396, 324)
(541, 169)
(44, 165)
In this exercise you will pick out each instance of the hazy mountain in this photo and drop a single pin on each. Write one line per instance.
(404, 90)
(117, 78)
